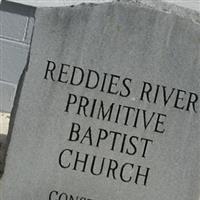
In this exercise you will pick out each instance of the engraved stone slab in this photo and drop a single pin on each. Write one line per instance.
(109, 107)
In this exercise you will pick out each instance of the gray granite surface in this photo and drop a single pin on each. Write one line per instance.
(109, 107)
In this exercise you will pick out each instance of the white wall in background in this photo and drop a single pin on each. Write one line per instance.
(16, 24)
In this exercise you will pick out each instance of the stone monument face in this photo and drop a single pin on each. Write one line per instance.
(109, 107)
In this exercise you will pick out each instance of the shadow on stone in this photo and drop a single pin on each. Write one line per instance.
(17, 8)
(3, 139)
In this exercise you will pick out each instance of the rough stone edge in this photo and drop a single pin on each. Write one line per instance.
(171, 9)
(15, 104)
(158, 5)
